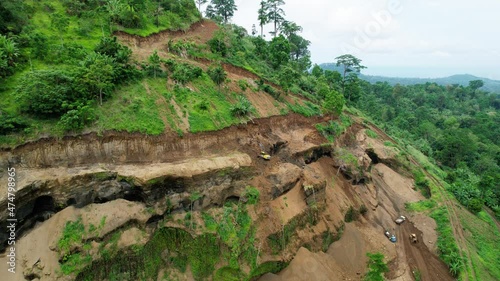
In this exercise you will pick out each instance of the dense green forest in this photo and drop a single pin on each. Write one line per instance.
(489, 85)
(454, 125)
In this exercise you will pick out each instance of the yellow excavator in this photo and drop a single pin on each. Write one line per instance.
(264, 156)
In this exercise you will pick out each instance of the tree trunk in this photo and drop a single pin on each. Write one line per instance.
(100, 97)
(261, 30)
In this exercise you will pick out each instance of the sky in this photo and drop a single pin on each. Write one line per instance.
(399, 38)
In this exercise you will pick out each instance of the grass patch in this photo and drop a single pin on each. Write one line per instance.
(330, 130)
(421, 206)
(371, 134)
(202, 253)
(483, 244)
(216, 116)
(73, 234)
(309, 109)
(389, 144)
(447, 246)
(132, 109)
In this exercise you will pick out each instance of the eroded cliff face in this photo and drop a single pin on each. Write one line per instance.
(53, 174)
(306, 190)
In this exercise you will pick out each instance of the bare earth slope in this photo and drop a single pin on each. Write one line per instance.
(218, 165)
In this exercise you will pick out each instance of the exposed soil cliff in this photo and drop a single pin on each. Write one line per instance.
(307, 188)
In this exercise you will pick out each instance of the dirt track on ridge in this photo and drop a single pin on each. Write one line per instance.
(418, 256)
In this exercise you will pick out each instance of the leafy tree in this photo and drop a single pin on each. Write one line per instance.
(476, 84)
(322, 89)
(77, 116)
(183, 72)
(38, 44)
(333, 103)
(287, 75)
(155, 63)
(221, 10)
(455, 146)
(352, 89)
(262, 16)
(157, 12)
(317, 71)
(45, 91)
(110, 47)
(350, 64)
(334, 79)
(376, 267)
(114, 8)
(279, 52)
(261, 47)
(288, 28)
(217, 74)
(275, 14)
(8, 56)
(218, 44)
(98, 74)
(298, 45)
(10, 123)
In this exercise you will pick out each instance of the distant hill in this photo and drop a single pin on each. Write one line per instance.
(461, 79)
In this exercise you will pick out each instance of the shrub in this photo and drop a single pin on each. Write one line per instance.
(377, 267)
(217, 74)
(252, 194)
(218, 46)
(10, 124)
(363, 209)
(184, 73)
(242, 108)
(351, 215)
(45, 91)
(270, 90)
(77, 116)
(243, 84)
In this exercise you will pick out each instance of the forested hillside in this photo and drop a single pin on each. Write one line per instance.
(64, 71)
(457, 126)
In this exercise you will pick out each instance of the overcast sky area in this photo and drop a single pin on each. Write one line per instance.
(400, 38)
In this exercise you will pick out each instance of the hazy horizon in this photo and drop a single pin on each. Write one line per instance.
(415, 72)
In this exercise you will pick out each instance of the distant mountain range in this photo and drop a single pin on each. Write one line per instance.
(461, 79)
